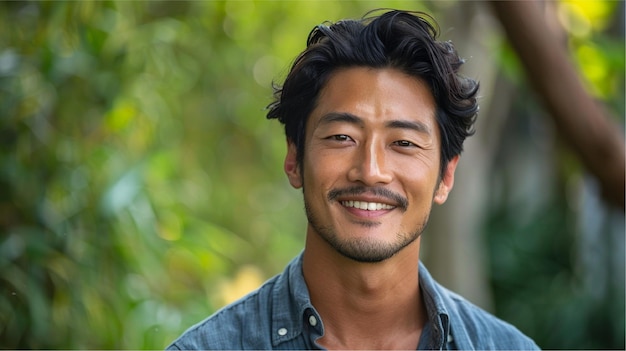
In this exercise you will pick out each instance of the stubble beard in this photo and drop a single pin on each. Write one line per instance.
(365, 250)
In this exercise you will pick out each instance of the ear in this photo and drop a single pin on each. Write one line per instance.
(447, 181)
(292, 169)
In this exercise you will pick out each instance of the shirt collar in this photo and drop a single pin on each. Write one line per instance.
(292, 304)
(438, 314)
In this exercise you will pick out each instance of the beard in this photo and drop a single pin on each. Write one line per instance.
(364, 250)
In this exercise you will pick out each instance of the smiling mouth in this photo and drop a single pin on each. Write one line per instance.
(367, 206)
(380, 199)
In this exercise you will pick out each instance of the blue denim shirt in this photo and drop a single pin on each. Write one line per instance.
(279, 315)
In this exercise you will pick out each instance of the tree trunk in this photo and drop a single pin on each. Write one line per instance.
(581, 121)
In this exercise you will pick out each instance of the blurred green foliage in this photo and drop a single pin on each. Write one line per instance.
(141, 187)
(556, 252)
(137, 170)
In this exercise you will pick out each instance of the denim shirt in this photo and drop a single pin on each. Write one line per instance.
(279, 315)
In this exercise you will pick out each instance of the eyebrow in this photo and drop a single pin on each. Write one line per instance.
(411, 125)
(345, 117)
(334, 117)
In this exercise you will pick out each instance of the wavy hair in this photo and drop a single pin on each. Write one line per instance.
(396, 39)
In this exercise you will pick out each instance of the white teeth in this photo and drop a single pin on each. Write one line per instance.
(369, 206)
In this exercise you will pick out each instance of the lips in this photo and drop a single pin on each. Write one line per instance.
(368, 198)
(367, 206)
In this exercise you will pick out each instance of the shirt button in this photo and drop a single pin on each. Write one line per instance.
(312, 321)
(282, 331)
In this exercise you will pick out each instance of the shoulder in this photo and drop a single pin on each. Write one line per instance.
(474, 328)
(226, 328)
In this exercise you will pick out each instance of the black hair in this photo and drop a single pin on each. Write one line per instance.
(396, 39)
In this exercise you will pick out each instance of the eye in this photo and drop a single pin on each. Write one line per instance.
(340, 137)
(404, 143)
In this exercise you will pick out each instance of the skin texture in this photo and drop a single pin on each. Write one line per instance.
(372, 137)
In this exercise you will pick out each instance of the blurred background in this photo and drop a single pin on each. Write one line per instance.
(141, 187)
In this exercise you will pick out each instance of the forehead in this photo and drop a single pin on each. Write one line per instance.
(377, 95)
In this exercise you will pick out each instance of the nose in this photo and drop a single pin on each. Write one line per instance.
(369, 165)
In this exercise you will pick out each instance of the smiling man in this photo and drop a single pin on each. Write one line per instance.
(375, 115)
(370, 167)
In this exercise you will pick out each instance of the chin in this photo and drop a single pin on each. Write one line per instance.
(368, 250)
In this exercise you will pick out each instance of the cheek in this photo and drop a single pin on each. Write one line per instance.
(323, 167)
(420, 182)
(318, 177)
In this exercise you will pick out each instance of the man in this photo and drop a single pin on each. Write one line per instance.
(375, 116)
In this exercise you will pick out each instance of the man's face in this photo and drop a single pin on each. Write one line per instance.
(371, 163)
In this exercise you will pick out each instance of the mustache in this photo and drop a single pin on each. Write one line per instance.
(401, 201)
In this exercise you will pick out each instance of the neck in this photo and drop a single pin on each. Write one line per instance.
(365, 305)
